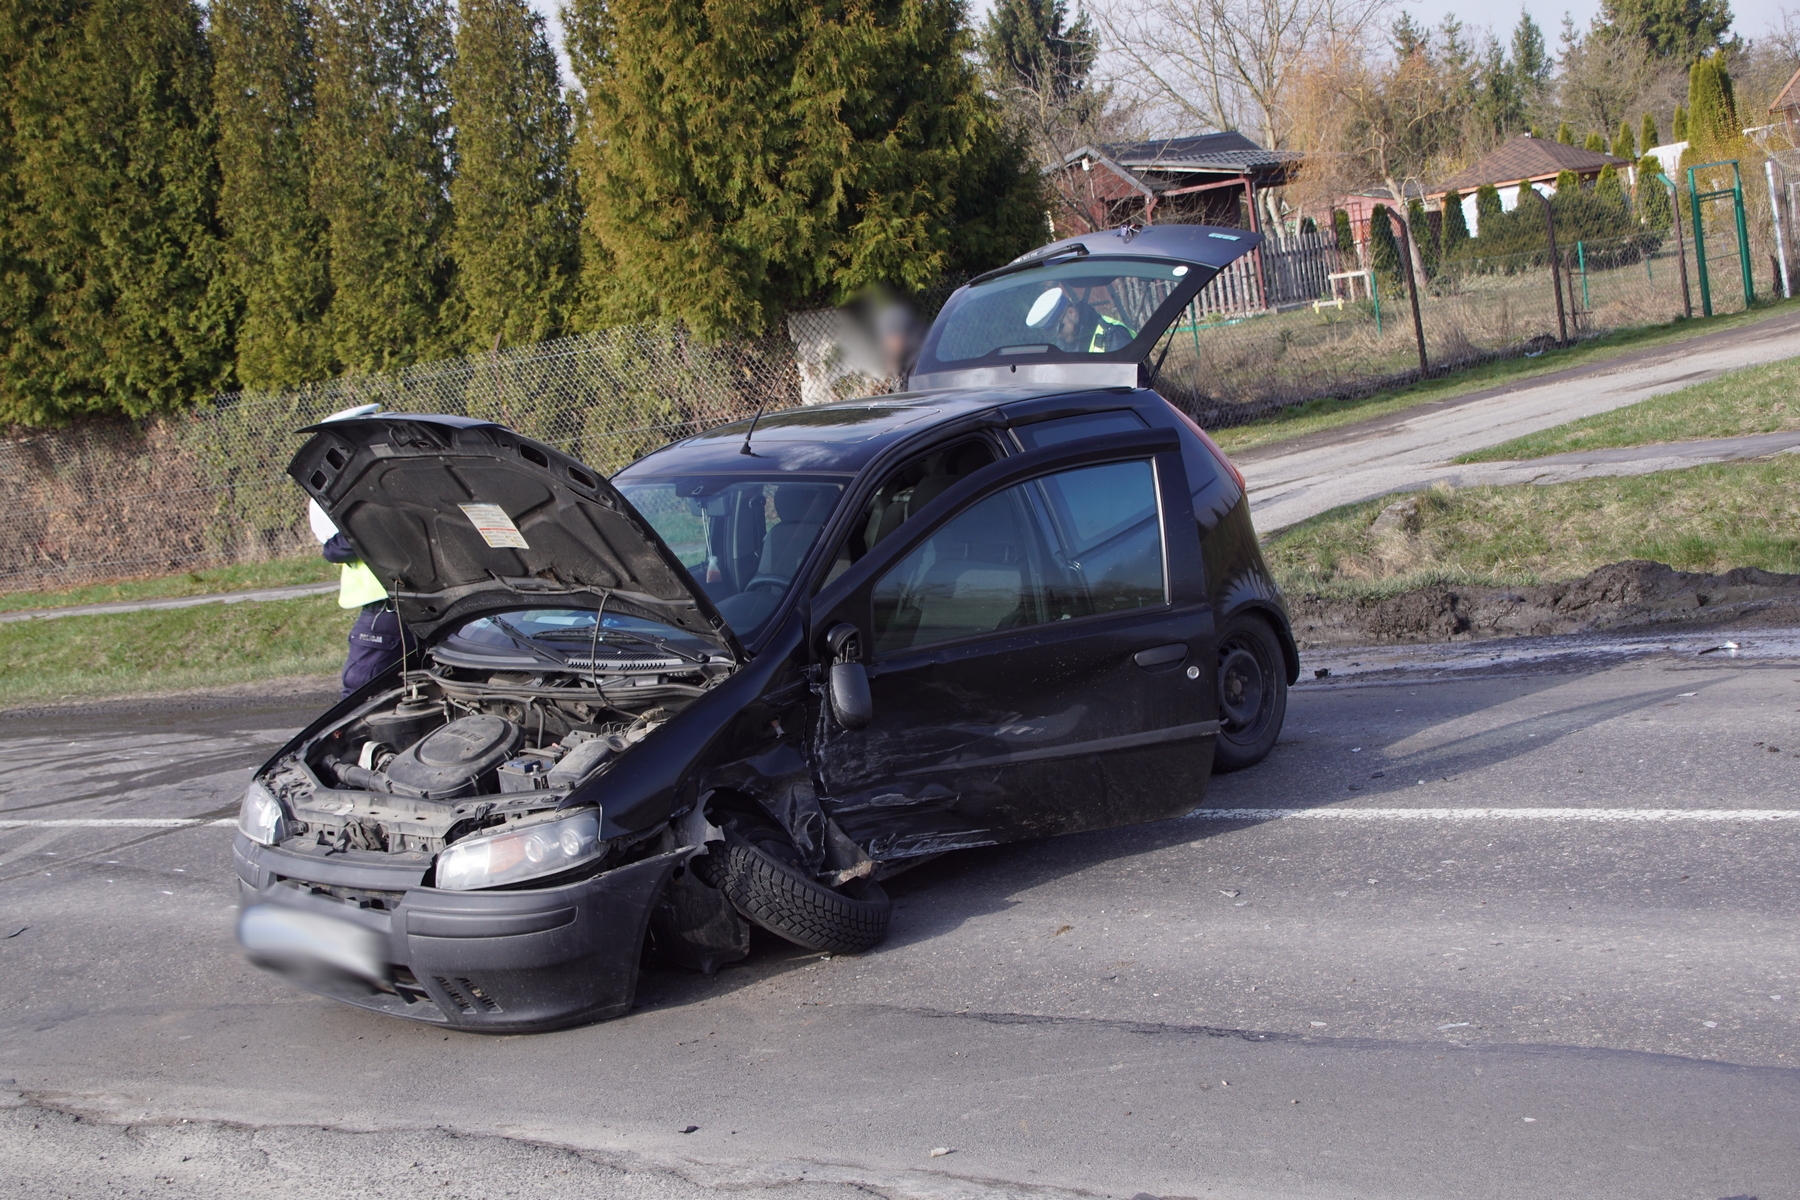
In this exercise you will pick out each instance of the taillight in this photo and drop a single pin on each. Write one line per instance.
(1211, 446)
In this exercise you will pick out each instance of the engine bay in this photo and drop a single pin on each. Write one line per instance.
(460, 747)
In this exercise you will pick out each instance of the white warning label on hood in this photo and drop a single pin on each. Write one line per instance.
(494, 526)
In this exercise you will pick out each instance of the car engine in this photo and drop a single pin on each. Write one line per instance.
(459, 747)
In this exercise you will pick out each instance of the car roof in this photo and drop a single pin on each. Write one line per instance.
(840, 438)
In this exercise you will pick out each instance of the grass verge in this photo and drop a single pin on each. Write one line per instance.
(243, 578)
(1763, 399)
(1329, 413)
(132, 653)
(1709, 518)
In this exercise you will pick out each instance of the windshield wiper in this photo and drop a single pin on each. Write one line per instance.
(571, 635)
(523, 641)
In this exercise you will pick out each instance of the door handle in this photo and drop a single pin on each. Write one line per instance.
(1160, 656)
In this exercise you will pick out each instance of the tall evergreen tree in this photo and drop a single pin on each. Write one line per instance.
(1565, 134)
(1681, 123)
(1567, 183)
(276, 250)
(1531, 61)
(1487, 207)
(1346, 238)
(1454, 235)
(1625, 144)
(1595, 142)
(383, 159)
(517, 223)
(1384, 247)
(1647, 134)
(744, 157)
(1034, 42)
(1712, 123)
(1420, 225)
(1608, 187)
(1671, 28)
(1652, 196)
(112, 298)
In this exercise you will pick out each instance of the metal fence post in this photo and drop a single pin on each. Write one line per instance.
(1562, 319)
(1581, 258)
(1412, 290)
(1699, 246)
(1787, 292)
(1743, 232)
(1687, 299)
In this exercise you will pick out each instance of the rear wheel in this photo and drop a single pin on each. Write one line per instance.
(1252, 692)
(784, 899)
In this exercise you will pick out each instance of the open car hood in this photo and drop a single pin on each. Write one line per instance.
(458, 517)
(1129, 286)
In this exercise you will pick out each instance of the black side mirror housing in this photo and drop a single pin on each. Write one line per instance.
(851, 703)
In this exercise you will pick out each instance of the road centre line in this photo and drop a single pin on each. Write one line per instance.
(1639, 816)
(1571, 815)
(115, 823)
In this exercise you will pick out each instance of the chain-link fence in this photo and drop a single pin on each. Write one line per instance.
(112, 500)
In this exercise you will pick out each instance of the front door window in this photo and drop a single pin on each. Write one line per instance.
(1067, 545)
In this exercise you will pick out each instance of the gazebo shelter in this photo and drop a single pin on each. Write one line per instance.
(1522, 158)
(1211, 179)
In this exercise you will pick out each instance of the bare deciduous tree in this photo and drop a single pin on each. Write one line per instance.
(1227, 64)
(1365, 118)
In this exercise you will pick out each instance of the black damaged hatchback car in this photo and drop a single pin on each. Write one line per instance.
(763, 669)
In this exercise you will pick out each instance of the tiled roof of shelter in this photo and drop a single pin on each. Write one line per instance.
(1228, 152)
(1526, 157)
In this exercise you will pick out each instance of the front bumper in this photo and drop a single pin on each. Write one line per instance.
(496, 961)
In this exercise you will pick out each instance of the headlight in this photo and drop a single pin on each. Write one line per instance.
(260, 818)
(520, 853)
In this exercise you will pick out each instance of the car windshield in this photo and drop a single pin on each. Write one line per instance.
(742, 539)
(571, 630)
(1068, 311)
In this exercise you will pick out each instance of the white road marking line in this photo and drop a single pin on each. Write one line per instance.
(1613, 815)
(114, 823)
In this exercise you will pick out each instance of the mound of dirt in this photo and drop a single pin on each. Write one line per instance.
(1620, 596)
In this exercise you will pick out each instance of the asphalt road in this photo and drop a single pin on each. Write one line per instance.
(1291, 481)
(1519, 961)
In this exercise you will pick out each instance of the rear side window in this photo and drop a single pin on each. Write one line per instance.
(1070, 429)
(1067, 545)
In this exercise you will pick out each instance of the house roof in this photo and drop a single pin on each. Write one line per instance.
(1214, 153)
(1789, 99)
(1526, 157)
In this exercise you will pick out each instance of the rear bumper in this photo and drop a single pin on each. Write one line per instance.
(503, 962)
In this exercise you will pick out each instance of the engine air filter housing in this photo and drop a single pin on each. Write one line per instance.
(452, 761)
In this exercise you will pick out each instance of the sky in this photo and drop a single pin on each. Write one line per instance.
(1749, 17)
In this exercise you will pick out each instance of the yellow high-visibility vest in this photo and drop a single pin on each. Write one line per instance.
(358, 586)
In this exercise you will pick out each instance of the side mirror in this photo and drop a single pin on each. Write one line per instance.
(851, 703)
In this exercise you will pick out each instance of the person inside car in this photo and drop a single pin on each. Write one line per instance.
(1083, 329)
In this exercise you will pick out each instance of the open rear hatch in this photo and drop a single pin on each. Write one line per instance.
(1087, 311)
(459, 517)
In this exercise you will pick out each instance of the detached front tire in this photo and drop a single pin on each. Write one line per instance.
(1252, 681)
(783, 899)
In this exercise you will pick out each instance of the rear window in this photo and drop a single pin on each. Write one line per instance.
(1069, 311)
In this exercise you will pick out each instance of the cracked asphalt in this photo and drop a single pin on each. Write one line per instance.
(1494, 1006)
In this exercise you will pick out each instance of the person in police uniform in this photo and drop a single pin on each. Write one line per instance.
(377, 638)
(1083, 329)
